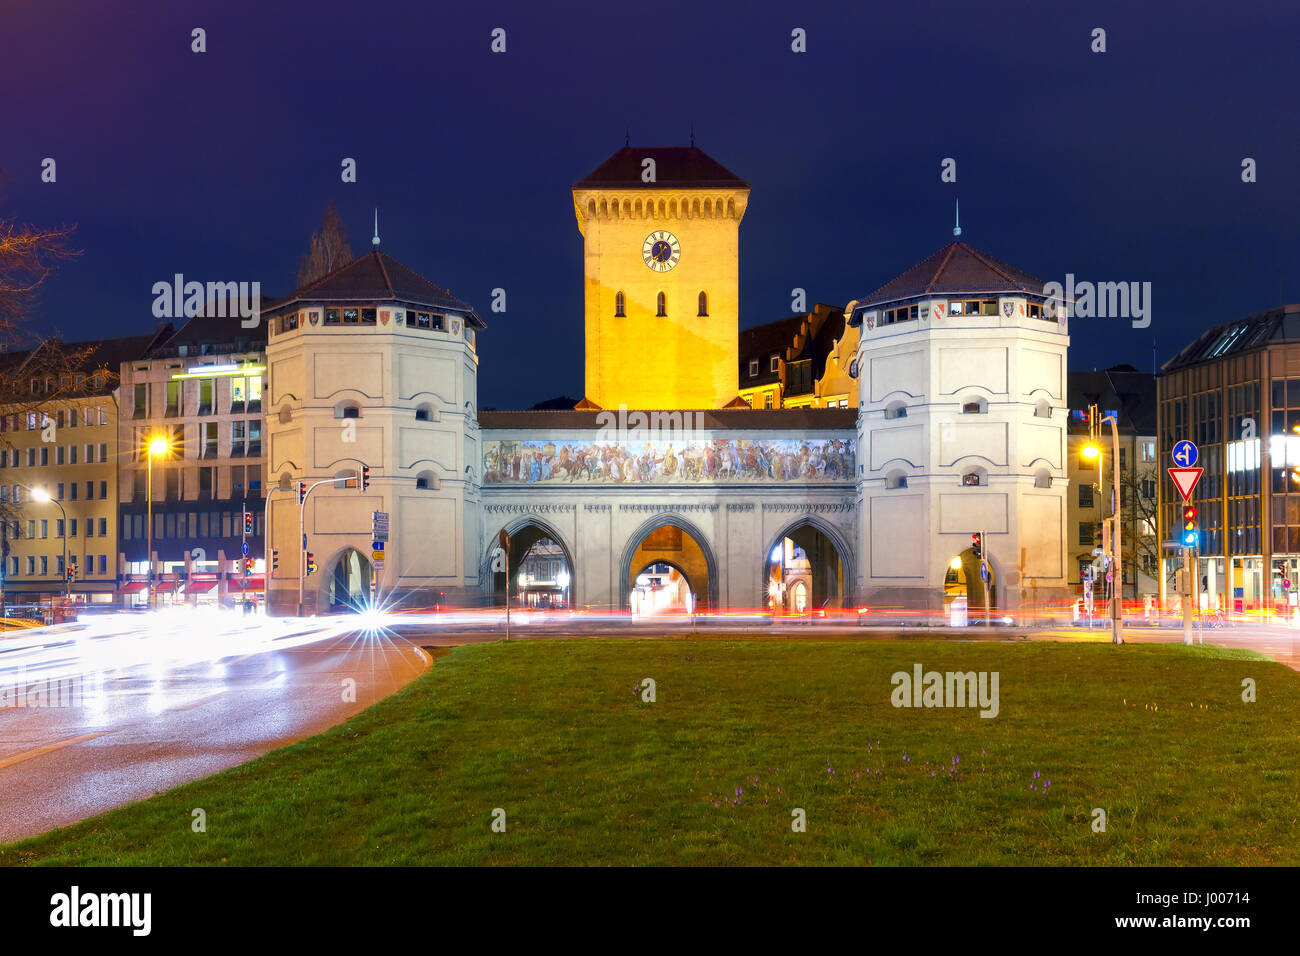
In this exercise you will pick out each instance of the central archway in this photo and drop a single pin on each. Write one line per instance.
(669, 540)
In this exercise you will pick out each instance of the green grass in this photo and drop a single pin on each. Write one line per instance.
(555, 733)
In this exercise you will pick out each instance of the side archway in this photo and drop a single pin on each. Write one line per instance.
(811, 552)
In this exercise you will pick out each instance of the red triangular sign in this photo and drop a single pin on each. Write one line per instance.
(1185, 480)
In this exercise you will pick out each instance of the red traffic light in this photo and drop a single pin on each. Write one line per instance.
(1189, 518)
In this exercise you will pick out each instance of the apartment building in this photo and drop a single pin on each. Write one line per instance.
(200, 391)
(58, 469)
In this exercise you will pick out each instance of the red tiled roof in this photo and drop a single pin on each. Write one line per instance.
(679, 166)
(957, 267)
(378, 277)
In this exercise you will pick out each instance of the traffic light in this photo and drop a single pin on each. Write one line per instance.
(248, 566)
(311, 563)
(302, 492)
(275, 560)
(1189, 527)
(365, 477)
(977, 545)
(71, 572)
(248, 522)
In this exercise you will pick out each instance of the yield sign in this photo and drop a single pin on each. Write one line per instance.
(1185, 480)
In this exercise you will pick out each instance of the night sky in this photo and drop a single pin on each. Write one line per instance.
(1117, 166)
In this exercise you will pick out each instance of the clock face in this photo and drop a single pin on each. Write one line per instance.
(661, 251)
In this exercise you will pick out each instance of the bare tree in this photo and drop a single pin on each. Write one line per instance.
(327, 250)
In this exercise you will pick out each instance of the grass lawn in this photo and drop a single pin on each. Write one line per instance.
(556, 734)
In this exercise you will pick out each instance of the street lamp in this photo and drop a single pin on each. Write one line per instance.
(43, 496)
(1117, 549)
(157, 446)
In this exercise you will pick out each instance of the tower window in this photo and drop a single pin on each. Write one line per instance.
(663, 305)
(775, 367)
(620, 305)
(753, 368)
(704, 303)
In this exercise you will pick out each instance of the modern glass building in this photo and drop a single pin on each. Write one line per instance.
(1235, 392)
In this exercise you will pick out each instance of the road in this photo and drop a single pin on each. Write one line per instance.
(119, 708)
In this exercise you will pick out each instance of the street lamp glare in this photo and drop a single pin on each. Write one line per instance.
(955, 563)
(158, 447)
(41, 495)
(1091, 451)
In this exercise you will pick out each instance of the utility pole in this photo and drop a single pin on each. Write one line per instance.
(986, 575)
(1187, 595)
(1117, 560)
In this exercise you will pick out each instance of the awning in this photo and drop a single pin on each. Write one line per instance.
(254, 582)
(200, 587)
(135, 587)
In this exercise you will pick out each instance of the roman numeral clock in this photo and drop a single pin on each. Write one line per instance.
(661, 251)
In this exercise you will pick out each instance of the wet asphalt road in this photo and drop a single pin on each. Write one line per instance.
(97, 716)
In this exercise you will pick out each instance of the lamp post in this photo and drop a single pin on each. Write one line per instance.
(1117, 550)
(43, 496)
(156, 446)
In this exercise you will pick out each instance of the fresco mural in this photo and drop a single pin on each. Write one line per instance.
(666, 462)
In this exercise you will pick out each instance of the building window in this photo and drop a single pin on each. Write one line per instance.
(767, 399)
(331, 316)
(896, 410)
(976, 407)
(1148, 451)
(704, 304)
(207, 387)
(1085, 496)
(663, 305)
(1087, 536)
(1148, 488)
(173, 399)
(775, 364)
(367, 316)
(620, 305)
(140, 401)
(971, 478)
(351, 316)
(753, 368)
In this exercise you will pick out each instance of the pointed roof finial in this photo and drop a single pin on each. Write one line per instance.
(956, 229)
(627, 137)
(375, 241)
(692, 134)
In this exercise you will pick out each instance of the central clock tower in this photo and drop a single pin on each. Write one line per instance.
(660, 228)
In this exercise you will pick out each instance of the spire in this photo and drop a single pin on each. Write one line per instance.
(956, 229)
(627, 137)
(692, 134)
(375, 241)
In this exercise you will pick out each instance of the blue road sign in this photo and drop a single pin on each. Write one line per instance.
(244, 547)
(984, 571)
(1185, 454)
(377, 546)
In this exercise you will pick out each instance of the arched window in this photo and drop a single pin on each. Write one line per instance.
(896, 479)
(975, 406)
(1042, 478)
(347, 409)
(620, 305)
(425, 412)
(895, 410)
(1043, 410)
(704, 303)
(663, 306)
(426, 481)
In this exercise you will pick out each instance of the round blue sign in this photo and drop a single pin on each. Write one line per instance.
(1185, 454)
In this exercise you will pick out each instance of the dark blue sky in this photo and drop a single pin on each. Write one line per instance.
(1115, 166)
